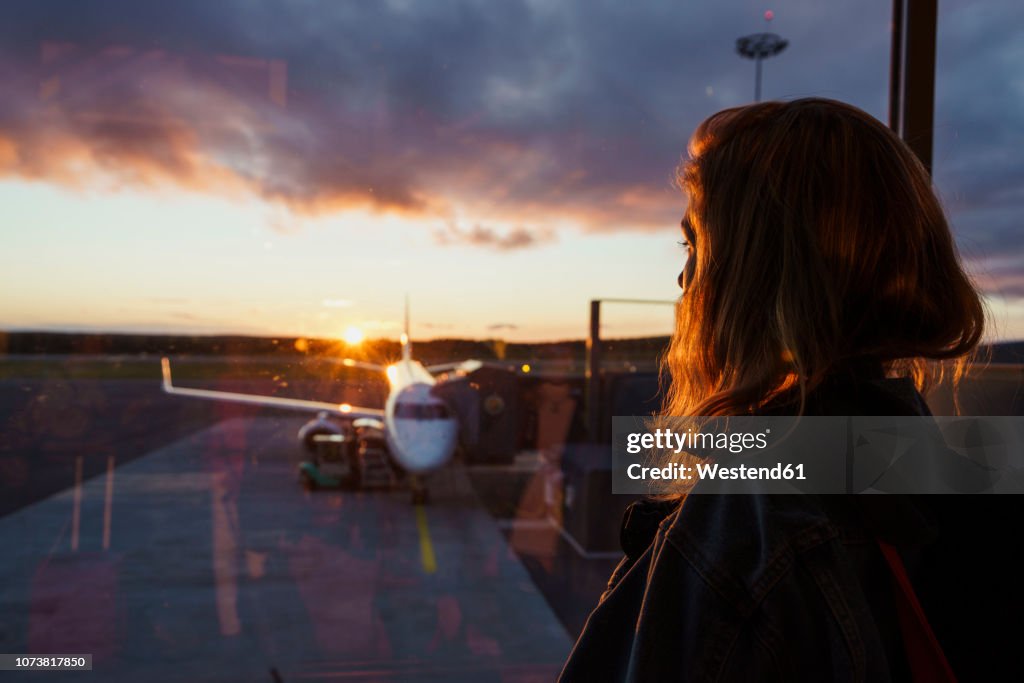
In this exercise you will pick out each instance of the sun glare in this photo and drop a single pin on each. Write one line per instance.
(353, 335)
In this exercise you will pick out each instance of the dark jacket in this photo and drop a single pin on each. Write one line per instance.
(766, 587)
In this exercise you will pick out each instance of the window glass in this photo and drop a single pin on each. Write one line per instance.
(255, 189)
(979, 107)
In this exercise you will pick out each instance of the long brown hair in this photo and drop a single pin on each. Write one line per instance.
(815, 240)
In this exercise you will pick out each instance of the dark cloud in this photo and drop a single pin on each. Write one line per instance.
(1000, 275)
(502, 326)
(978, 134)
(505, 114)
(482, 236)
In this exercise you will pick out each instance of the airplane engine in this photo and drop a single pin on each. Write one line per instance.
(322, 424)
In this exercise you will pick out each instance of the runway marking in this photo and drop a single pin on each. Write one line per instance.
(224, 516)
(76, 512)
(108, 501)
(426, 547)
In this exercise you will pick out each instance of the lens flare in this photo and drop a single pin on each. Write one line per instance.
(353, 336)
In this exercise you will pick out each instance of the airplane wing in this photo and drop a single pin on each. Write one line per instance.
(462, 368)
(350, 363)
(465, 366)
(339, 409)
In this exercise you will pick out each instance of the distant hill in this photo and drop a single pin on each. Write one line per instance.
(432, 351)
(1007, 352)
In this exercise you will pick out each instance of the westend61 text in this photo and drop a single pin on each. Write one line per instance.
(715, 471)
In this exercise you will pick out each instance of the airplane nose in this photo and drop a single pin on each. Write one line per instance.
(424, 445)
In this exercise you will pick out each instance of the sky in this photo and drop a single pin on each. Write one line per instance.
(297, 167)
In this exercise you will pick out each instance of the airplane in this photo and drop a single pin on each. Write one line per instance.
(419, 428)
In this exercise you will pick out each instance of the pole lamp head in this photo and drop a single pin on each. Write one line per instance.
(760, 45)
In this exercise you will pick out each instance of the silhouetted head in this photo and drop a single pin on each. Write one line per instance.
(815, 240)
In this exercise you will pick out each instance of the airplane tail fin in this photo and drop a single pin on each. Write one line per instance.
(406, 341)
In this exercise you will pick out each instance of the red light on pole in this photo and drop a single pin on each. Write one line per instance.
(760, 46)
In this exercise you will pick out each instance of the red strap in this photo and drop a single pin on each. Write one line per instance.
(924, 654)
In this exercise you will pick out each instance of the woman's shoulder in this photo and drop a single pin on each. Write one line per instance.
(738, 542)
(775, 576)
(746, 542)
(856, 388)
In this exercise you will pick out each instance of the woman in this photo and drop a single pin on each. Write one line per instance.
(821, 278)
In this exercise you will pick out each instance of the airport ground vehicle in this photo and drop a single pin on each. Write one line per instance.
(351, 456)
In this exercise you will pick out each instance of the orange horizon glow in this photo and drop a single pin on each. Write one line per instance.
(353, 335)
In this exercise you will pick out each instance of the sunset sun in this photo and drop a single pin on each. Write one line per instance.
(353, 335)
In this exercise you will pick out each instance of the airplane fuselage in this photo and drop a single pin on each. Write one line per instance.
(422, 432)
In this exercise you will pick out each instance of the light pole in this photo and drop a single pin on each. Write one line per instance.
(758, 46)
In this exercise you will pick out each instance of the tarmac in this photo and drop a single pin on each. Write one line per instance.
(204, 560)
